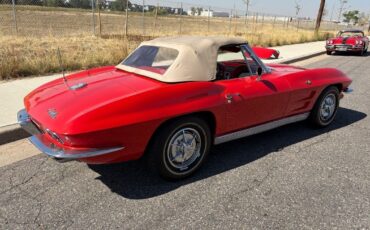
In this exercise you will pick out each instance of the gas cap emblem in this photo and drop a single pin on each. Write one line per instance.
(78, 86)
(52, 113)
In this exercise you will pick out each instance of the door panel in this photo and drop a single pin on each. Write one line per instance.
(250, 101)
(304, 92)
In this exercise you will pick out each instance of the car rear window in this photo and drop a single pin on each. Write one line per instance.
(152, 58)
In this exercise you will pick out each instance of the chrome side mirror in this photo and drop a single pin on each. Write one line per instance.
(259, 73)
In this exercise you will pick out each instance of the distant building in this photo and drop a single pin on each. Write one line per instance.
(211, 13)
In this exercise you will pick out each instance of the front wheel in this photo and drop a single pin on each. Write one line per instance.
(364, 52)
(326, 107)
(180, 148)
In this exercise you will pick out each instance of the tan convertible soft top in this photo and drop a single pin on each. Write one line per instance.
(196, 61)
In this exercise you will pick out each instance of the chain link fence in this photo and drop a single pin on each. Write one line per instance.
(137, 18)
(93, 33)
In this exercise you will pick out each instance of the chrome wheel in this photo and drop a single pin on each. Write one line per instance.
(328, 107)
(179, 147)
(184, 148)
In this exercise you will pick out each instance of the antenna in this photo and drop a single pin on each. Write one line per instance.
(61, 66)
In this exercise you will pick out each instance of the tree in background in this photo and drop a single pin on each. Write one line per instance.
(364, 19)
(54, 3)
(85, 4)
(193, 10)
(352, 16)
(120, 5)
(319, 16)
(27, 2)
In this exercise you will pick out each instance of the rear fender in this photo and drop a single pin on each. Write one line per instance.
(266, 53)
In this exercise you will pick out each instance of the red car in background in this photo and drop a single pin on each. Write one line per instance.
(353, 41)
(171, 100)
(266, 53)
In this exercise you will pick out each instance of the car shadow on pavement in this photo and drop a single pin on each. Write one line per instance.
(350, 54)
(132, 181)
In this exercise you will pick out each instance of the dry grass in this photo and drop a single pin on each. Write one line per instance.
(25, 56)
(41, 32)
(34, 56)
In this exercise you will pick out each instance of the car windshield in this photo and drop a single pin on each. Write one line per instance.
(152, 58)
(351, 34)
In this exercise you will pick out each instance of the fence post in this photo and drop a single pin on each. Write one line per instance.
(209, 18)
(286, 22)
(236, 21)
(273, 24)
(155, 18)
(263, 20)
(230, 20)
(180, 29)
(93, 17)
(99, 18)
(297, 24)
(246, 22)
(126, 20)
(256, 23)
(143, 18)
(15, 18)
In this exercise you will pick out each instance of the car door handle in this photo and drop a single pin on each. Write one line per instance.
(230, 97)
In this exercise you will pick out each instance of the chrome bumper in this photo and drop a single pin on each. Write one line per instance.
(26, 123)
(344, 48)
(52, 150)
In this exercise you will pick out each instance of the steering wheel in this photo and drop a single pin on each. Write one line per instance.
(220, 74)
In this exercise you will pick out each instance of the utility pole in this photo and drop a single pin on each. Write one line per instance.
(298, 7)
(319, 16)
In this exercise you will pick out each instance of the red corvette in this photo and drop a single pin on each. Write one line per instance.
(348, 41)
(171, 100)
(266, 53)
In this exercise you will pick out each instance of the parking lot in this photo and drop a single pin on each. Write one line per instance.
(294, 177)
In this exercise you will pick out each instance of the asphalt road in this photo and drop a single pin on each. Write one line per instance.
(294, 177)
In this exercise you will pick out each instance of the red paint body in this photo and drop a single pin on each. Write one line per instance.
(118, 108)
(266, 53)
(357, 43)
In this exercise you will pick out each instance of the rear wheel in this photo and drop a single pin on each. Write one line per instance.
(180, 148)
(326, 107)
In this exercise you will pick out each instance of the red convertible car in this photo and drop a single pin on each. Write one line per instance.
(348, 41)
(266, 53)
(171, 100)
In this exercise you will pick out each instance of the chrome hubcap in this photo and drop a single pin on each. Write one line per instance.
(328, 106)
(184, 148)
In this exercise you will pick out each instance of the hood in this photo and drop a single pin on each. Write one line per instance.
(283, 69)
(55, 103)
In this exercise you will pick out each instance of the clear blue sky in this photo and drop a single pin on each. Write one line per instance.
(279, 7)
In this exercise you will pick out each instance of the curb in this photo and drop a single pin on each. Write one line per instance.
(14, 132)
(303, 57)
(11, 133)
